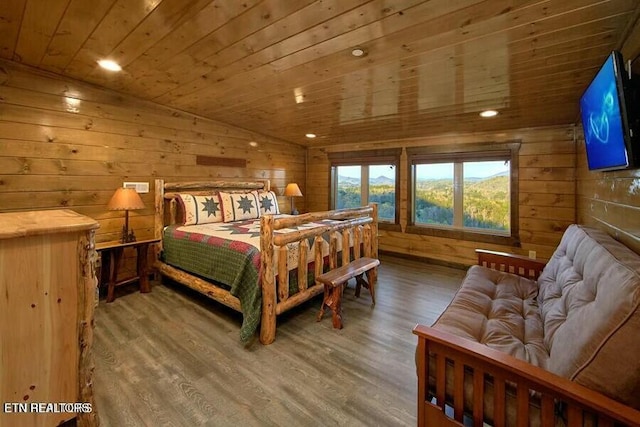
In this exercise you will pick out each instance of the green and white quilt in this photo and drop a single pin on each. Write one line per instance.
(229, 255)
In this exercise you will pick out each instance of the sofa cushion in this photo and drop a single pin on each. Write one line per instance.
(589, 297)
(499, 310)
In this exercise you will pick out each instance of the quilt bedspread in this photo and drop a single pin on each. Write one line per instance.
(229, 255)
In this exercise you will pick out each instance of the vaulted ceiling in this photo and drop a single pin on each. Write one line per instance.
(285, 67)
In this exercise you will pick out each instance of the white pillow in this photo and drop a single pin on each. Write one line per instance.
(239, 206)
(268, 202)
(200, 209)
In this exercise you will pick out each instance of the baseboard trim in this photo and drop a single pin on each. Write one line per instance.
(428, 260)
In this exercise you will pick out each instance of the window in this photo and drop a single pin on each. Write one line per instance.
(486, 195)
(470, 195)
(360, 178)
(382, 190)
(434, 193)
(348, 190)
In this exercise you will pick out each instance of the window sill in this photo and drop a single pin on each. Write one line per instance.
(387, 226)
(465, 235)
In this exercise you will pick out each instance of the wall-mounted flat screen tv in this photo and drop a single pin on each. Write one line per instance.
(605, 109)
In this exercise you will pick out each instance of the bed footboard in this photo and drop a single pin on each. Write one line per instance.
(456, 377)
(357, 228)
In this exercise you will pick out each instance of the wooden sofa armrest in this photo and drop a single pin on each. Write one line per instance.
(511, 263)
(502, 368)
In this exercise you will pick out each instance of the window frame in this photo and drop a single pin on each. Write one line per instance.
(367, 158)
(489, 151)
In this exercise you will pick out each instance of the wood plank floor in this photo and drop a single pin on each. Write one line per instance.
(173, 357)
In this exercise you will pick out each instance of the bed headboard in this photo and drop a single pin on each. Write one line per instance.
(167, 210)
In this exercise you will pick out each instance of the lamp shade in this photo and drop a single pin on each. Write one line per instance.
(125, 199)
(292, 190)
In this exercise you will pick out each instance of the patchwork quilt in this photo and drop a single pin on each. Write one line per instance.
(229, 255)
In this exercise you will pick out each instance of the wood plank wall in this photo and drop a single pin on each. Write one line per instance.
(65, 144)
(609, 200)
(546, 192)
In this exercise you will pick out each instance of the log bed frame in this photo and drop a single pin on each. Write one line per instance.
(361, 224)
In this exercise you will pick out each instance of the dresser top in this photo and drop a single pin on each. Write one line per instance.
(31, 223)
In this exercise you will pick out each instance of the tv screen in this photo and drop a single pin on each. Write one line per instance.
(604, 118)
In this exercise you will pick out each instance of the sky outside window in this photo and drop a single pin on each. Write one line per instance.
(471, 170)
(349, 171)
(387, 171)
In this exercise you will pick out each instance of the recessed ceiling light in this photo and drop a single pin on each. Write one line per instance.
(253, 143)
(358, 52)
(110, 65)
(489, 113)
(310, 135)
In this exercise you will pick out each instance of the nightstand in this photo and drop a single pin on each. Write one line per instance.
(112, 252)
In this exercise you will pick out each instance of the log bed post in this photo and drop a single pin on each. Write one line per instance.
(374, 231)
(158, 223)
(268, 320)
(367, 240)
(303, 254)
(357, 240)
(283, 273)
(333, 250)
(317, 257)
(346, 252)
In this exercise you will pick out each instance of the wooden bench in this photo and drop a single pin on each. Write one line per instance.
(335, 280)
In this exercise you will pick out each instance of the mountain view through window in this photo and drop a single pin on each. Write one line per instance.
(380, 188)
(485, 195)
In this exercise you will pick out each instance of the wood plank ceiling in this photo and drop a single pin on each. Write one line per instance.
(285, 68)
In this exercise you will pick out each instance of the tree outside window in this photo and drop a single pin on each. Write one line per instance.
(359, 185)
(476, 198)
(467, 195)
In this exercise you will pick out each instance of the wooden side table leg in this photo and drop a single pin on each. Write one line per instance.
(105, 268)
(114, 265)
(359, 283)
(143, 273)
(325, 299)
(336, 306)
(372, 276)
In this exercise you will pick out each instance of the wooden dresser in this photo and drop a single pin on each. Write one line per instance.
(47, 299)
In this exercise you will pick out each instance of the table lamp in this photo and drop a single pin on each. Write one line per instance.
(292, 190)
(126, 199)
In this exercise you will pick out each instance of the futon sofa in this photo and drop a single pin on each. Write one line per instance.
(527, 343)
